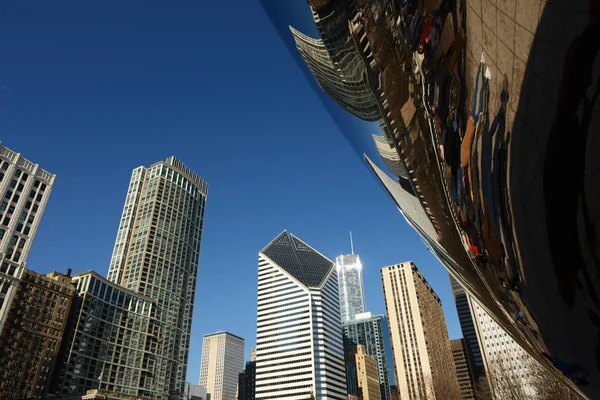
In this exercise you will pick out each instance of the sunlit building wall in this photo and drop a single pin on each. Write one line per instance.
(222, 362)
(352, 296)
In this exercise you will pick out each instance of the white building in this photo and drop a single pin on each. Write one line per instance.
(299, 347)
(222, 362)
(24, 192)
(352, 296)
(194, 392)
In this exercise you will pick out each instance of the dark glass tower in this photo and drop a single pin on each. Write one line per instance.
(247, 382)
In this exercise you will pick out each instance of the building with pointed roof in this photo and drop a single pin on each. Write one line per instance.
(299, 348)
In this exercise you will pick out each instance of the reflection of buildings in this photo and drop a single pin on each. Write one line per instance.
(156, 254)
(32, 334)
(352, 296)
(24, 190)
(222, 362)
(299, 347)
(390, 157)
(463, 372)
(333, 60)
(422, 354)
(108, 341)
(371, 332)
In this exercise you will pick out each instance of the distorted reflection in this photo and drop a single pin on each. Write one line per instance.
(481, 114)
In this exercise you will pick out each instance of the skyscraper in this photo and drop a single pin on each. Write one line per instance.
(463, 372)
(368, 375)
(352, 295)
(156, 254)
(422, 354)
(222, 362)
(299, 347)
(371, 332)
(247, 382)
(24, 192)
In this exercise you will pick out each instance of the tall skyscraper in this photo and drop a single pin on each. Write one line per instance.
(24, 192)
(467, 326)
(156, 254)
(371, 332)
(422, 354)
(222, 362)
(352, 295)
(299, 347)
(33, 332)
(110, 343)
(463, 372)
(247, 382)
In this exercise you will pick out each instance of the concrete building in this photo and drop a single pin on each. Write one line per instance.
(420, 344)
(299, 348)
(371, 332)
(110, 341)
(32, 334)
(156, 254)
(222, 362)
(24, 192)
(194, 392)
(352, 295)
(463, 372)
(367, 371)
(247, 382)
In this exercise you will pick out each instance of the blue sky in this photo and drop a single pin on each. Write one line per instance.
(91, 90)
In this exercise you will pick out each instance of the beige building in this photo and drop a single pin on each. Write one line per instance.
(367, 371)
(222, 362)
(420, 344)
(463, 374)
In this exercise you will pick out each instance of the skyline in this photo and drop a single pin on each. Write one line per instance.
(93, 150)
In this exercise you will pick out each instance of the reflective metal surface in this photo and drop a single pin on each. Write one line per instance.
(480, 118)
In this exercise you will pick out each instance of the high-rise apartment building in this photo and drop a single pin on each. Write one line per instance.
(371, 332)
(420, 344)
(32, 334)
(463, 372)
(247, 382)
(156, 254)
(222, 362)
(110, 343)
(299, 348)
(352, 295)
(24, 192)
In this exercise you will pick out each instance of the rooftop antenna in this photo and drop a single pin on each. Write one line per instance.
(351, 243)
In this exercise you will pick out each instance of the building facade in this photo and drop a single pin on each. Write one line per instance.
(110, 343)
(34, 328)
(422, 355)
(367, 370)
(247, 382)
(352, 295)
(299, 348)
(194, 392)
(371, 332)
(156, 254)
(24, 192)
(222, 362)
(463, 372)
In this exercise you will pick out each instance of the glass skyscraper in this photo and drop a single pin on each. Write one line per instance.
(156, 254)
(352, 296)
(371, 331)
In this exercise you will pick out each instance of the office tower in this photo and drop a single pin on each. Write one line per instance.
(420, 344)
(371, 332)
(352, 296)
(156, 254)
(24, 192)
(110, 343)
(463, 372)
(247, 382)
(194, 392)
(222, 362)
(34, 329)
(351, 373)
(471, 342)
(367, 371)
(299, 348)
(253, 354)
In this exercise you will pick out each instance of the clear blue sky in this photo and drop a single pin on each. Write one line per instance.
(91, 90)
